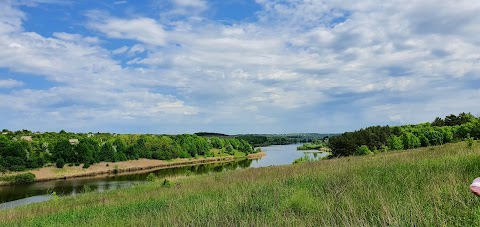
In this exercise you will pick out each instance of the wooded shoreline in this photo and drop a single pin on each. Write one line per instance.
(122, 168)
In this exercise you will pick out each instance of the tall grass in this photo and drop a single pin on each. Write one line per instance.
(421, 187)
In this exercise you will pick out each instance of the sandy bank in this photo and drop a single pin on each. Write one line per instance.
(256, 155)
(126, 167)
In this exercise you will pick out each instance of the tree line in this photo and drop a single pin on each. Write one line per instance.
(18, 153)
(383, 138)
(263, 140)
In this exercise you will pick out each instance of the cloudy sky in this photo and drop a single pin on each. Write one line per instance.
(235, 66)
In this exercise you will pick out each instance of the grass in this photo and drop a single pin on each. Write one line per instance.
(421, 187)
(239, 154)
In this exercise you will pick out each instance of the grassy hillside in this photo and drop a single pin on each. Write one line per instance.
(422, 187)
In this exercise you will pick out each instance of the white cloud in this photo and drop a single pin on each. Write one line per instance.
(191, 3)
(120, 50)
(145, 30)
(137, 48)
(364, 62)
(10, 83)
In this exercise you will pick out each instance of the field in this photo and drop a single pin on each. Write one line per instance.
(419, 187)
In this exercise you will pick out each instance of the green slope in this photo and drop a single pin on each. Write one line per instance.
(422, 187)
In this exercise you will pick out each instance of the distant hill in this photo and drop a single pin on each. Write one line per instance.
(211, 134)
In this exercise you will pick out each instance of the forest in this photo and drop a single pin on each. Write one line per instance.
(23, 149)
(383, 138)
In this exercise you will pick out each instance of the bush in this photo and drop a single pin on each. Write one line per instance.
(303, 159)
(167, 183)
(86, 166)
(26, 178)
(363, 150)
(60, 163)
(17, 168)
(470, 141)
(3, 169)
(151, 177)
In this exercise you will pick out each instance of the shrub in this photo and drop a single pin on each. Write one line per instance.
(86, 166)
(60, 163)
(303, 159)
(384, 148)
(26, 178)
(17, 168)
(167, 183)
(470, 141)
(151, 177)
(363, 150)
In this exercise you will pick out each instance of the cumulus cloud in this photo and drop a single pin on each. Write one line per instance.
(299, 66)
(145, 30)
(10, 83)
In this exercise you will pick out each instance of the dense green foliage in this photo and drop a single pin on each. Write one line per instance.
(314, 145)
(421, 187)
(261, 140)
(363, 150)
(441, 131)
(151, 177)
(17, 154)
(24, 178)
(304, 159)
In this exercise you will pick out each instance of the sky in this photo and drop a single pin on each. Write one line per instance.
(235, 66)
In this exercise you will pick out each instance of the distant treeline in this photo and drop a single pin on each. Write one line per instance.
(261, 140)
(382, 138)
(23, 149)
(211, 134)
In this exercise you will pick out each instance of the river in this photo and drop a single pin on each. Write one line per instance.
(13, 196)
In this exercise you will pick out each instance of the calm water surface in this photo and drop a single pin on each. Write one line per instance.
(13, 196)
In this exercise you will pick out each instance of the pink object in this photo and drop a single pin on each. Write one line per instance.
(475, 186)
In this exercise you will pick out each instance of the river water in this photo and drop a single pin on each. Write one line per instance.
(13, 196)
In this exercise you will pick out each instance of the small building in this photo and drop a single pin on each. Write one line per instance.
(27, 138)
(73, 141)
(4, 133)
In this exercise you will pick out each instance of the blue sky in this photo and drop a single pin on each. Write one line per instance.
(232, 66)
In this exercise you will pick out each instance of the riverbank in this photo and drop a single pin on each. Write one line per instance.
(126, 167)
(417, 187)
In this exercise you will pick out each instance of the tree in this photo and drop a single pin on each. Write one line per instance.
(217, 142)
(65, 151)
(229, 149)
(107, 153)
(85, 151)
(395, 143)
(363, 150)
(438, 122)
(60, 163)
(409, 141)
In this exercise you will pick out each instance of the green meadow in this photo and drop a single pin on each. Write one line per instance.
(418, 187)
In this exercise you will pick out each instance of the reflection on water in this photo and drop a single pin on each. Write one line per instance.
(17, 195)
(283, 155)
(13, 196)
